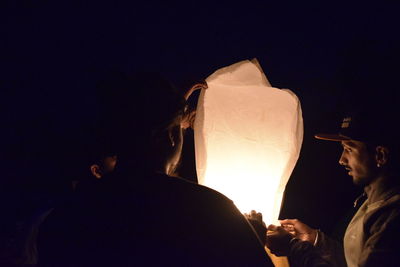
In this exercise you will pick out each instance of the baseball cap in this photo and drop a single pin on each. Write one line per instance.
(370, 126)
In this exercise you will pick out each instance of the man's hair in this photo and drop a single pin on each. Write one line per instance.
(133, 108)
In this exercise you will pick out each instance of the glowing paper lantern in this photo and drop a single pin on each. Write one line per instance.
(247, 137)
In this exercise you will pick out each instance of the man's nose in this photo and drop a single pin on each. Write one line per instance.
(342, 159)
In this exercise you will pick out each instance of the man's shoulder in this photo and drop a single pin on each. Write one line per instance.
(386, 216)
(394, 199)
(195, 188)
(179, 191)
(391, 204)
(180, 215)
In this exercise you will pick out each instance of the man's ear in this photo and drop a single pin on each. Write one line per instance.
(96, 171)
(381, 155)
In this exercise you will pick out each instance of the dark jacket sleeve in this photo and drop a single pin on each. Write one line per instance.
(331, 250)
(304, 254)
(327, 252)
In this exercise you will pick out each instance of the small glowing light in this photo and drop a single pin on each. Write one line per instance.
(248, 137)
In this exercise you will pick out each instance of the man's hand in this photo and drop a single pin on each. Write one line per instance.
(299, 230)
(256, 216)
(190, 113)
(188, 119)
(278, 240)
(255, 219)
(197, 86)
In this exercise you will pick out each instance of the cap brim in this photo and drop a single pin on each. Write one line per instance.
(332, 137)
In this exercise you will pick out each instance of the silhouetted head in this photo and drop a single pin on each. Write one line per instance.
(140, 120)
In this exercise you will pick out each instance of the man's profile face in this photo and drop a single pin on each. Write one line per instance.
(167, 147)
(358, 161)
(174, 153)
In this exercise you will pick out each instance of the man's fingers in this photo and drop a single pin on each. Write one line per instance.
(272, 227)
(288, 227)
(255, 213)
(289, 221)
(195, 87)
(200, 86)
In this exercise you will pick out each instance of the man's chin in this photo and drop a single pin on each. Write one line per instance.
(357, 181)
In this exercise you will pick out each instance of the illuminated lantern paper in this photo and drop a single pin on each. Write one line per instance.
(248, 137)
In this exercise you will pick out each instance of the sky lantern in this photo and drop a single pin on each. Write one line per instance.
(248, 136)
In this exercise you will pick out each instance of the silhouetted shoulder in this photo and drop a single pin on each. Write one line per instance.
(161, 221)
(194, 189)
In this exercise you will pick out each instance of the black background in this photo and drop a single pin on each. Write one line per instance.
(52, 53)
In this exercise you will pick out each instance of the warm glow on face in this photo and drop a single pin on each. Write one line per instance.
(248, 137)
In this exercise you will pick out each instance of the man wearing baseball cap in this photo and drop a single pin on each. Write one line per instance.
(372, 238)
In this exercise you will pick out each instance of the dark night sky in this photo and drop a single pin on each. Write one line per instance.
(52, 54)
